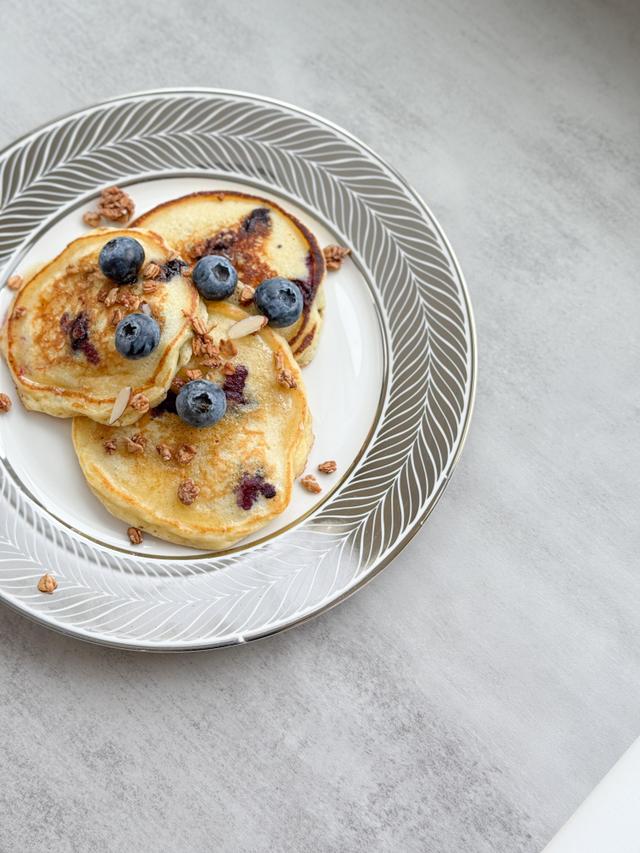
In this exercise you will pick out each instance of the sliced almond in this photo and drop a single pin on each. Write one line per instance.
(146, 308)
(121, 403)
(247, 326)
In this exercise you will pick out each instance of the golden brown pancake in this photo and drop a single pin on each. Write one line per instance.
(260, 238)
(243, 467)
(59, 339)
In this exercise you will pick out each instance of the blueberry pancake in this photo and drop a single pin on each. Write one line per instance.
(261, 240)
(207, 468)
(102, 329)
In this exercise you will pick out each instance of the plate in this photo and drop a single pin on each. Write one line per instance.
(391, 388)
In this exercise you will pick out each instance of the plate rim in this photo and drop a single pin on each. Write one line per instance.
(95, 638)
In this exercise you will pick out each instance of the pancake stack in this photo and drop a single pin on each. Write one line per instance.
(206, 486)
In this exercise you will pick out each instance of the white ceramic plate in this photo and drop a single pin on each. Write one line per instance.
(390, 388)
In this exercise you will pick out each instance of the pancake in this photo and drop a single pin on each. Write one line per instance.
(244, 466)
(261, 240)
(59, 337)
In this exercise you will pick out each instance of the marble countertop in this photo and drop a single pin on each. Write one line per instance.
(473, 694)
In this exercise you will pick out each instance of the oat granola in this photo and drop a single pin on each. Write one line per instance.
(213, 361)
(151, 271)
(115, 205)
(310, 484)
(188, 491)
(135, 535)
(15, 282)
(185, 454)
(112, 297)
(199, 326)
(48, 584)
(228, 348)
(334, 256)
(140, 402)
(246, 294)
(91, 218)
(136, 443)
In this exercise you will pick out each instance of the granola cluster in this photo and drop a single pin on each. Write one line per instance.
(136, 443)
(334, 255)
(203, 346)
(5, 403)
(135, 535)
(246, 294)
(184, 455)
(48, 584)
(228, 348)
(114, 205)
(164, 452)
(140, 403)
(151, 272)
(310, 483)
(117, 316)
(125, 296)
(15, 282)
(188, 491)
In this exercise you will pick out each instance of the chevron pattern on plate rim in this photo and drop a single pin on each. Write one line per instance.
(115, 598)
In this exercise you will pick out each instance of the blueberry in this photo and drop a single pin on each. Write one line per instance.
(137, 335)
(201, 403)
(215, 277)
(280, 300)
(121, 259)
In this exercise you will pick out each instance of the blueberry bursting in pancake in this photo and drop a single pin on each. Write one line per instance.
(218, 458)
(261, 240)
(103, 326)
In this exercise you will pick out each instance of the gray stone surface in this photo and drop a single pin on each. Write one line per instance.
(471, 696)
